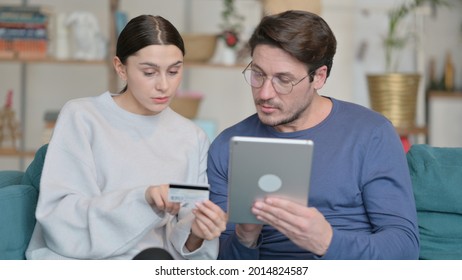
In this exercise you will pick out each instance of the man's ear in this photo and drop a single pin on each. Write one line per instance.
(320, 77)
(119, 68)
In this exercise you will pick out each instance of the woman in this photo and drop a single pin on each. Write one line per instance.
(111, 157)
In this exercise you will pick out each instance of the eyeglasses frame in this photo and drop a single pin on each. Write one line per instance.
(292, 82)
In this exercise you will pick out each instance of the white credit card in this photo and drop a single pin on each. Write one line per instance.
(188, 193)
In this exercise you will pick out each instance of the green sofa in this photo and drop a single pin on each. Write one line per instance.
(18, 199)
(436, 175)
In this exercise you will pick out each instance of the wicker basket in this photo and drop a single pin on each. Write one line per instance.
(395, 96)
(199, 47)
(186, 106)
(277, 6)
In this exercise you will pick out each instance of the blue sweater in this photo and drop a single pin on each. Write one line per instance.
(360, 182)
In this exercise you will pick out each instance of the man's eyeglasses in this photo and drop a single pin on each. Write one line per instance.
(281, 84)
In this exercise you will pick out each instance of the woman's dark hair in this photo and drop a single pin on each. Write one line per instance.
(304, 35)
(146, 30)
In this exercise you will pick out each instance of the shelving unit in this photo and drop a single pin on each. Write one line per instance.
(25, 95)
(21, 152)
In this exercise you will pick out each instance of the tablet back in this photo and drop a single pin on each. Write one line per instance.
(266, 166)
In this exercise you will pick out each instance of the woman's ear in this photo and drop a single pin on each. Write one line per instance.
(119, 68)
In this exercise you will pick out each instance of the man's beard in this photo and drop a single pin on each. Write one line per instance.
(295, 115)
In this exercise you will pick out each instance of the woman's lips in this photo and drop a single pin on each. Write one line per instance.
(161, 100)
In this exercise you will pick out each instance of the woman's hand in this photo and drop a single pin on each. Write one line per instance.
(210, 221)
(157, 196)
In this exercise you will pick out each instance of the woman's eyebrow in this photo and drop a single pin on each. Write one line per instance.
(150, 64)
(178, 63)
(154, 65)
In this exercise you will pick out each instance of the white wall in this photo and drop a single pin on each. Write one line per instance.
(227, 97)
(444, 121)
(341, 19)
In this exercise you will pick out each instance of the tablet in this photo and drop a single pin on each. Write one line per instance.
(259, 167)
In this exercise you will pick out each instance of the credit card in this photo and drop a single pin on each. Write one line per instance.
(188, 193)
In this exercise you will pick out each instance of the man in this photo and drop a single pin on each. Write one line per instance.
(361, 204)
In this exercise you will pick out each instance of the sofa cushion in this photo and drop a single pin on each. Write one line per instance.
(10, 177)
(436, 175)
(34, 170)
(18, 200)
(17, 219)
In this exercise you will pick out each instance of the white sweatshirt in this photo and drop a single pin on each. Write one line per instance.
(99, 163)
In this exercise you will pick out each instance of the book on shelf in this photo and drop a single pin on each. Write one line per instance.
(23, 32)
(23, 15)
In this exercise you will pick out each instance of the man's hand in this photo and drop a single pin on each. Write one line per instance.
(305, 226)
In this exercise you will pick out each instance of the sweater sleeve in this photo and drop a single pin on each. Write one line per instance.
(389, 203)
(78, 219)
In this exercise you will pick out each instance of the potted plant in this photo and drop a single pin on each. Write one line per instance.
(394, 94)
(231, 27)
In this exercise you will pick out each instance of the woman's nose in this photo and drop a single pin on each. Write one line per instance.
(161, 83)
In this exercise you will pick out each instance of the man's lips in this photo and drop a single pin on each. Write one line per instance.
(267, 108)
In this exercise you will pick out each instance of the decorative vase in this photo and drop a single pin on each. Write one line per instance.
(229, 56)
(394, 95)
(224, 54)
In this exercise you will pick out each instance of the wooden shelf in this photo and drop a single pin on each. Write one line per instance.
(52, 60)
(446, 94)
(15, 153)
(103, 62)
(407, 131)
(212, 65)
